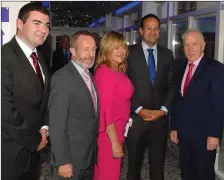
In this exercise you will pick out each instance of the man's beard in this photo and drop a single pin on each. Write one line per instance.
(85, 63)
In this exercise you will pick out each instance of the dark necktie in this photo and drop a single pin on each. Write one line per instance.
(37, 68)
(151, 65)
(188, 77)
(66, 55)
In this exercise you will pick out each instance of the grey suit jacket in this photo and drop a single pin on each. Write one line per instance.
(73, 122)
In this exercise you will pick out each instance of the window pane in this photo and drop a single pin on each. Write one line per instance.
(186, 6)
(207, 27)
(178, 29)
(163, 34)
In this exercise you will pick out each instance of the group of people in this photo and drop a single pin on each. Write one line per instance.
(136, 90)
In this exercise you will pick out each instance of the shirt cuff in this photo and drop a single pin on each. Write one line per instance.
(138, 109)
(163, 108)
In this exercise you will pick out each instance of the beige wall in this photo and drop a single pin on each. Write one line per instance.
(14, 8)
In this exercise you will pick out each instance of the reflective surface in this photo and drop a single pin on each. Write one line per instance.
(208, 26)
(178, 30)
(163, 34)
(186, 6)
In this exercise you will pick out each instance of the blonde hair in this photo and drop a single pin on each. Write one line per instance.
(110, 41)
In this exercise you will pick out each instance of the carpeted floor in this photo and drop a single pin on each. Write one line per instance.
(172, 171)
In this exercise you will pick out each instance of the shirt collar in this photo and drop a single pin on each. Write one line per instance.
(27, 51)
(196, 62)
(65, 51)
(78, 67)
(145, 46)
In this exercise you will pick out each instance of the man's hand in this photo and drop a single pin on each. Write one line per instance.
(145, 113)
(65, 171)
(43, 142)
(173, 137)
(212, 143)
(156, 114)
(117, 150)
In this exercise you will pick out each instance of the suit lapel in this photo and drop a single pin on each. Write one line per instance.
(98, 104)
(160, 58)
(141, 62)
(45, 72)
(197, 73)
(81, 82)
(25, 66)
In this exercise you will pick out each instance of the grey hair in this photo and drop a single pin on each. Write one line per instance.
(193, 30)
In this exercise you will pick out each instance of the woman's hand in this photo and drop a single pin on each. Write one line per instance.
(117, 150)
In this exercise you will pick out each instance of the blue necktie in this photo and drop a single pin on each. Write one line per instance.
(66, 55)
(151, 65)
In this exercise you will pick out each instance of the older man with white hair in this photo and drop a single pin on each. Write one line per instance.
(197, 111)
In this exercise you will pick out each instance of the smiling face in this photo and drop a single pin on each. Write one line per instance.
(194, 46)
(117, 56)
(150, 31)
(84, 52)
(34, 31)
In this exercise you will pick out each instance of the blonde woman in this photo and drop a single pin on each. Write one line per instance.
(115, 92)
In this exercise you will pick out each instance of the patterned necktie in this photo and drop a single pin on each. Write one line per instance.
(88, 82)
(188, 78)
(151, 65)
(37, 68)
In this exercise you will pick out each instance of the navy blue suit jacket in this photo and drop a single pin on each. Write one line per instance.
(200, 112)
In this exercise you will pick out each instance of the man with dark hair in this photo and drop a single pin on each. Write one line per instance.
(25, 90)
(73, 113)
(150, 70)
(62, 55)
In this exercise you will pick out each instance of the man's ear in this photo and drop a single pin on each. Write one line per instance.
(19, 24)
(140, 31)
(73, 51)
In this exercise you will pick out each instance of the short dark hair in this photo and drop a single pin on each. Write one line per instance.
(24, 12)
(148, 16)
(76, 36)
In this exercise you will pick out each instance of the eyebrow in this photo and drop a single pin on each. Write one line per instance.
(40, 22)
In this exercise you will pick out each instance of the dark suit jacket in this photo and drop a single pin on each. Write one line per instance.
(58, 60)
(147, 95)
(23, 99)
(199, 113)
(73, 120)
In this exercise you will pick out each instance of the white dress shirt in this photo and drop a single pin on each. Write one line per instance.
(27, 51)
(145, 48)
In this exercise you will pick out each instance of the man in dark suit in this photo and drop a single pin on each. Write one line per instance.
(62, 55)
(73, 110)
(25, 90)
(197, 109)
(150, 70)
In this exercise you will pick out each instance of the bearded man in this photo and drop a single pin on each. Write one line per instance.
(73, 112)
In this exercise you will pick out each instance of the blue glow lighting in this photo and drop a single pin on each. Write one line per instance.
(93, 24)
(102, 19)
(126, 7)
(46, 4)
(117, 12)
